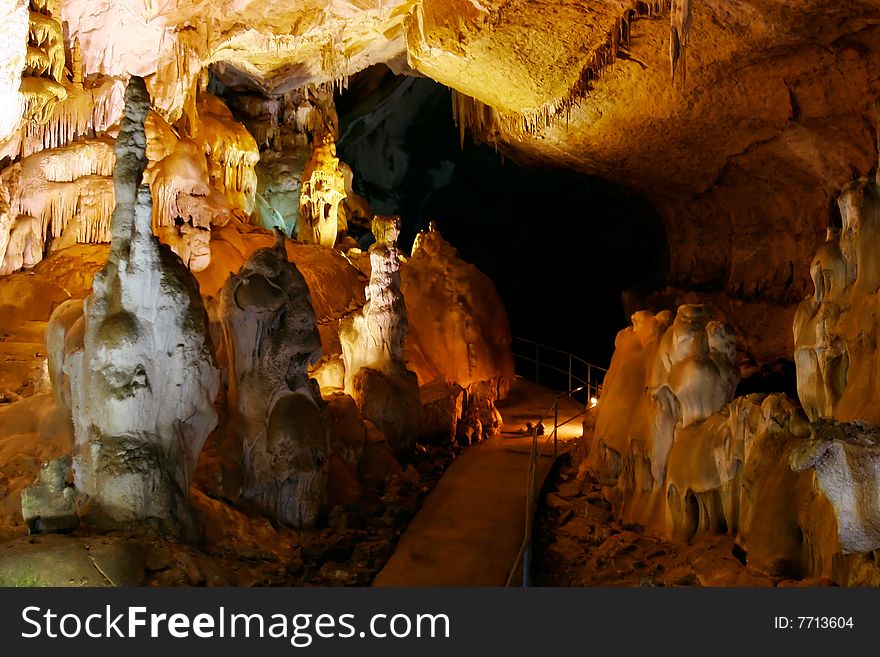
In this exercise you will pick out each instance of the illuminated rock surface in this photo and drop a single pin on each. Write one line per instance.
(238, 136)
(272, 338)
(458, 327)
(373, 339)
(143, 382)
(677, 454)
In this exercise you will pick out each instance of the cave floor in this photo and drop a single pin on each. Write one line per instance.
(578, 543)
(469, 530)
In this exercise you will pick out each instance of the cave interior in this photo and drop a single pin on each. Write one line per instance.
(286, 287)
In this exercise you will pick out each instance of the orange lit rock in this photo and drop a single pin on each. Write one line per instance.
(458, 327)
(679, 455)
(323, 190)
(271, 338)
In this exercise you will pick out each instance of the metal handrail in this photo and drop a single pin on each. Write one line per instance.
(594, 373)
(593, 388)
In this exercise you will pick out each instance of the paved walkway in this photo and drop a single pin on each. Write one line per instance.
(469, 530)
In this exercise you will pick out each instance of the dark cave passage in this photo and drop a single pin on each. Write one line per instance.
(559, 246)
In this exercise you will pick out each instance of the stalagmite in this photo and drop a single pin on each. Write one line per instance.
(276, 412)
(680, 371)
(373, 339)
(836, 365)
(143, 382)
(323, 190)
(679, 457)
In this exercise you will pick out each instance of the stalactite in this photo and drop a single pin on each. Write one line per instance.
(84, 158)
(80, 113)
(39, 96)
(232, 152)
(76, 66)
(95, 211)
(679, 27)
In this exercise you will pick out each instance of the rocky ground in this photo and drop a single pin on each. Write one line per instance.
(348, 548)
(578, 543)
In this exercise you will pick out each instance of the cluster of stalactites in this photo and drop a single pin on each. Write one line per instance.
(295, 118)
(485, 123)
(79, 113)
(44, 193)
(231, 151)
(43, 74)
(56, 107)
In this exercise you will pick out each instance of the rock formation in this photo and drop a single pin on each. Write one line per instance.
(143, 381)
(272, 338)
(458, 328)
(836, 364)
(323, 190)
(49, 506)
(846, 459)
(680, 371)
(654, 96)
(373, 339)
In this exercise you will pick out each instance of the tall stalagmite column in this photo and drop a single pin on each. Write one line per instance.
(142, 385)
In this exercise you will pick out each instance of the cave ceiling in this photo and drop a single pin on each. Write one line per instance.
(768, 81)
(742, 148)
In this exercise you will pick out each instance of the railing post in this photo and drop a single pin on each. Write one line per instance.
(555, 427)
(526, 565)
(589, 383)
(569, 375)
(537, 362)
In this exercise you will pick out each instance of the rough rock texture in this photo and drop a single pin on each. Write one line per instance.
(677, 454)
(49, 506)
(442, 409)
(836, 359)
(271, 339)
(143, 381)
(373, 339)
(846, 458)
(458, 328)
(744, 180)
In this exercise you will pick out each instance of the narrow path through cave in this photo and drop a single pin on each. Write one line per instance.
(469, 530)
